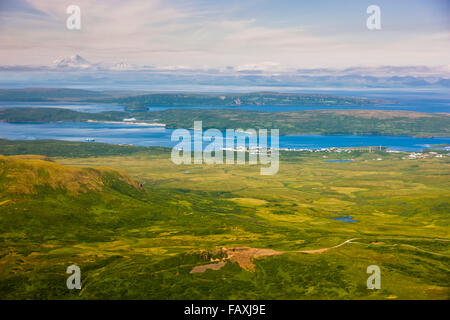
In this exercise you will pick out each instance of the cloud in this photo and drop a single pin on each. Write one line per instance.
(264, 66)
(197, 34)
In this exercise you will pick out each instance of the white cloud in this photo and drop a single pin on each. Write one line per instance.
(264, 66)
(160, 33)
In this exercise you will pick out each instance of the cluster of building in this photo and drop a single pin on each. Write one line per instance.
(329, 149)
(411, 155)
(423, 155)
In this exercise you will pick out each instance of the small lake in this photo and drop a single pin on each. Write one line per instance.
(345, 219)
(145, 135)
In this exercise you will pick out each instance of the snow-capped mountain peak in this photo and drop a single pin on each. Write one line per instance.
(75, 61)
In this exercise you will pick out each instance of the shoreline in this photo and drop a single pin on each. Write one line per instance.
(366, 149)
(156, 124)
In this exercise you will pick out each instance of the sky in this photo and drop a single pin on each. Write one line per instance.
(244, 34)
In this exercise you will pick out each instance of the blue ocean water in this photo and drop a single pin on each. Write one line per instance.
(420, 101)
(145, 135)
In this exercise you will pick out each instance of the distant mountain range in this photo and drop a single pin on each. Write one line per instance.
(78, 70)
(77, 62)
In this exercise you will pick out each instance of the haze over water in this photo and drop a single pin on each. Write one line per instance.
(144, 135)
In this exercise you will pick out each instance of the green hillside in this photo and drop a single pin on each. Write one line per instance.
(70, 149)
(161, 231)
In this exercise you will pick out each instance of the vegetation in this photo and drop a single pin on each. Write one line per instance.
(289, 123)
(70, 149)
(56, 115)
(398, 123)
(136, 101)
(138, 234)
(140, 103)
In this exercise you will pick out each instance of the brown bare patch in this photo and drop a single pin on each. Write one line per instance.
(212, 266)
(244, 255)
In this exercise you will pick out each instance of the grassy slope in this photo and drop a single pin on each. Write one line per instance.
(54, 148)
(134, 243)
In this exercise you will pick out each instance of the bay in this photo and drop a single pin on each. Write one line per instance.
(146, 135)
